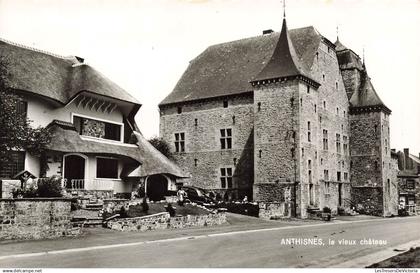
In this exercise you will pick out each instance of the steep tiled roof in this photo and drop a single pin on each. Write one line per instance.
(414, 158)
(154, 162)
(227, 68)
(339, 46)
(366, 95)
(284, 61)
(66, 139)
(55, 77)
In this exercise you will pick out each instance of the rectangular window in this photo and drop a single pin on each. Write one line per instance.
(112, 131)
(410, 184)
(326, 175)
(345, 145)
(22, 108)
(309, 131)
(346, 176)
(106, 168)
(327, 188)
(339, 176)
(325, 139)
(226, 179)
(96, 128)
(225, 104)
(225, 139)
(179, 142)
(338, 143)
(16, 164)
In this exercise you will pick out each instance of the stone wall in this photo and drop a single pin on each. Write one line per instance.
(99, 194)
(296, 109)
(7, 186)
(331, 196)
(273, 192)
(164, 221)
(371, 161)
(275, 121)
(203, 157)
(22, 219)
(325, 108)
(275, 210)
(368, 200)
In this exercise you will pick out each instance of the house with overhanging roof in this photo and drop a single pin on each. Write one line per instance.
(408, 181)
(96, 144)
(289, 119)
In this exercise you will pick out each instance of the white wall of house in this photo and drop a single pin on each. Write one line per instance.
(32, 164)
(42, 113)
(120, 187)
(95, 183)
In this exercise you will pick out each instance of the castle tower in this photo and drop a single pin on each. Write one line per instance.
(277, 92)
(374, 187)
(351, 68)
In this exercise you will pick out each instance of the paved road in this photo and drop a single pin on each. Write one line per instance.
(263, 248)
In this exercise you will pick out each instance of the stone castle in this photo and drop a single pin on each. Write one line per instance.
(285, 118)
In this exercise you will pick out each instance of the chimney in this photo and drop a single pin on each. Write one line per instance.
(406, 158)
(267, 31)
(80, 59)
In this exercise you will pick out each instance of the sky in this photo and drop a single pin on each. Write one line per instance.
(145, 45)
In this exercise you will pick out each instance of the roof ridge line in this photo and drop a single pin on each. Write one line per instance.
(257, 36)
(69, 57)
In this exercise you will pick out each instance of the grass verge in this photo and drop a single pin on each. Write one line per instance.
(409, 259)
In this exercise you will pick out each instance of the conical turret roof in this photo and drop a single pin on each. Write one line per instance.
(284, 61)
(339, 46)
(366, 95)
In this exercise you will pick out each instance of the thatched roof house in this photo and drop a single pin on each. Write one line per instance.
(91, 119)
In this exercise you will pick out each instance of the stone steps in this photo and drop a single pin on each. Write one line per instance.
(87, 222)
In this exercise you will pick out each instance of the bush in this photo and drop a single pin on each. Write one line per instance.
(50, 187)
(403, 212)
(170, 210)
(47, 187)
(144, 205)
(241, 208)
(341, 211)
(75, 205)
(326, 210)
(24, 193)
(123, 212)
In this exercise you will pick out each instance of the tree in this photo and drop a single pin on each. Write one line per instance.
(16, 132)
(162, 146)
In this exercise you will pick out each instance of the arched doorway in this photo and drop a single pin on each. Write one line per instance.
(74, 171)
(156, 187)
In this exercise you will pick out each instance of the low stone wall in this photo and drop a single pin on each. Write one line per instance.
(98, 194)
(197, 220)
(274, 210)
(164, 221)
(7, 186)
(35, 218)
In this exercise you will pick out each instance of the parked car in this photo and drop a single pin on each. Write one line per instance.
(198, 195)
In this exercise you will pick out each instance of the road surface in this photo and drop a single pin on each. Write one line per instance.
(252, 248)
